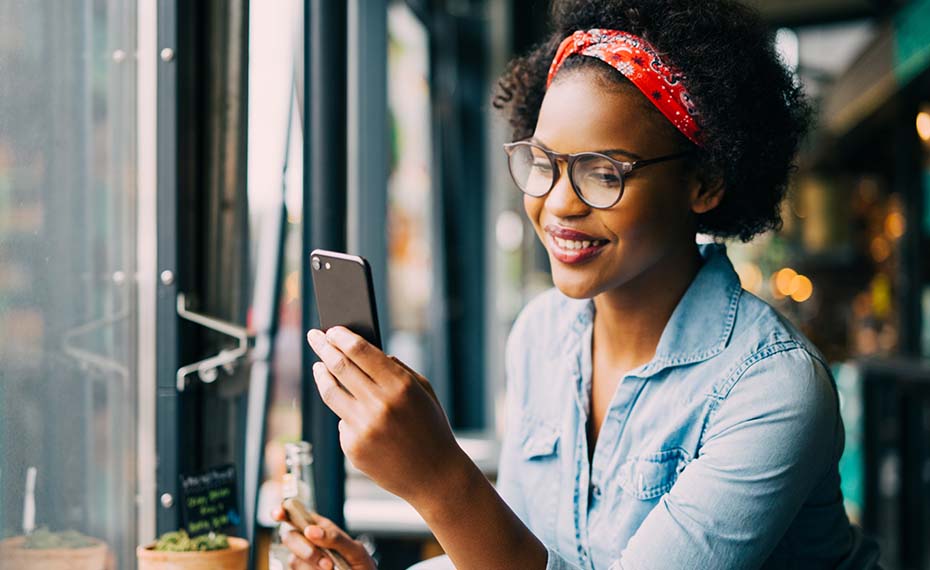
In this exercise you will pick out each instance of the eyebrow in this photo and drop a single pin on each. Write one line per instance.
(622, 151)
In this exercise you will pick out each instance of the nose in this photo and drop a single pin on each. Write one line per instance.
(562, 201)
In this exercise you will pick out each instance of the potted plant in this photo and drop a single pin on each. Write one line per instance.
(179, 551)
(46, 550)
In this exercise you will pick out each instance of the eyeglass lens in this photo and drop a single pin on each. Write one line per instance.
(596, 178)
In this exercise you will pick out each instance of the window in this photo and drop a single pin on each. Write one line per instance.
(68, 313)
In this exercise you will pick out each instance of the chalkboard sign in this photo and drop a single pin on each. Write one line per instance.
(209, 500)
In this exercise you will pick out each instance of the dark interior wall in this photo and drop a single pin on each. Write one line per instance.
(212, 222)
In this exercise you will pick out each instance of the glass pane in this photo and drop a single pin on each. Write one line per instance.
(276, 182)
(67, 292)
(410, 203)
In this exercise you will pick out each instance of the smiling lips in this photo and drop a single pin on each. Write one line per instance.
(571, 246)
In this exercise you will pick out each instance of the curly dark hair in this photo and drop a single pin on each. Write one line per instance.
(753, 112)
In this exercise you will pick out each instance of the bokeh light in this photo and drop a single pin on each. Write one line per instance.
(784, 279)
(895, 225)
(801, 288)
(923, 125)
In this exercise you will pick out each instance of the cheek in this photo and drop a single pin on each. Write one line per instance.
(645, 229)
(648, 210)
(638, 215)
(533, 208)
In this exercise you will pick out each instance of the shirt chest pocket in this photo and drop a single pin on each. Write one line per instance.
(650, 476)
(540, 441)
(540, 476)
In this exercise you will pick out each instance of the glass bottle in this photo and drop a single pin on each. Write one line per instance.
(298, 482)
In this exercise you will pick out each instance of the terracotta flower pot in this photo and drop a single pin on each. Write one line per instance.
(13, 555)
(236, 557)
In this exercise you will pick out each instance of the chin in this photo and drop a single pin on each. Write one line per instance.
(578, 286)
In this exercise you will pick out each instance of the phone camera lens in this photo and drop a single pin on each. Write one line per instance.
(315, 263)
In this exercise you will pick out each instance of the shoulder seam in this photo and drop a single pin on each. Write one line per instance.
(721, 391)
(771, 349)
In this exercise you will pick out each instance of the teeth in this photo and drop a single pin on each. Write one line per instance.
(574, 244)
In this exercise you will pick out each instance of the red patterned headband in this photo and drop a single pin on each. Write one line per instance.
(639, 62)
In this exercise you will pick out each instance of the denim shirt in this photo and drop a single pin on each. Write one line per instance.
(721, 452)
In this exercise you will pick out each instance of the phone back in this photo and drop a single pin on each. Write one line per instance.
(344, 294)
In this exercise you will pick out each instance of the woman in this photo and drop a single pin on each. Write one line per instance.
(658, 416)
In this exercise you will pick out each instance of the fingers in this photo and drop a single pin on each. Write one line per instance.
(419, 377)
(369, 359)
(277, 514)
(303, 553)
(340, 364)
(325, 533)
(298, 545)
(331, 391)
(295, 563)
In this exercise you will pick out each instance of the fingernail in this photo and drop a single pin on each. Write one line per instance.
(315, 336)
(315, 532)
(337, 334)
(306, 551)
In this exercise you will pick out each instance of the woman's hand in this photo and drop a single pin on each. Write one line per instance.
(392, 427)
(305, 554)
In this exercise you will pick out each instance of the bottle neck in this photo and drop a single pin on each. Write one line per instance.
(298, 481)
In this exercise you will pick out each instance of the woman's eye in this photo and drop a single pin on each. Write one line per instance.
(603, 178)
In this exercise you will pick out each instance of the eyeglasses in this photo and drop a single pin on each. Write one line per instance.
(596, 178)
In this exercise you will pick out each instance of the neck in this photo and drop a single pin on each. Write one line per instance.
(629, 319)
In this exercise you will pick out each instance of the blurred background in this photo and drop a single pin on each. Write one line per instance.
(165, 168)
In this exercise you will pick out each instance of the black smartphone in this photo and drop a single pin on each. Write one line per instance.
(345, 294)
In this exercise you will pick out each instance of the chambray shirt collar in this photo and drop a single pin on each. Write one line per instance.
(700, 326)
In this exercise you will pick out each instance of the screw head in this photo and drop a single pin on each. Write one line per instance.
(167, 500)
(167, 54)
(167, 277)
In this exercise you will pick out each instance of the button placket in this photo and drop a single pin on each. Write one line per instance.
(582, 482)
(581, 495)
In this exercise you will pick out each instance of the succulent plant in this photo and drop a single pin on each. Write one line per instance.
(180, 541)
(44, 539)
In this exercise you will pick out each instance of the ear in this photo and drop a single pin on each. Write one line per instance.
(706, 191)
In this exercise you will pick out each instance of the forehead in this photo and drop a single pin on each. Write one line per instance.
(580, 112)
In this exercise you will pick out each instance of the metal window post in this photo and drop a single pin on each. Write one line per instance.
(166, 333)
(324, 222)
(367, 144)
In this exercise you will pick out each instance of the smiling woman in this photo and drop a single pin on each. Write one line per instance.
(658, 416)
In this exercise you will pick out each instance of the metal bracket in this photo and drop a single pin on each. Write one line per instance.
(206, 369)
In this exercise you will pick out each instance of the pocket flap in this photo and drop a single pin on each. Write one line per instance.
(651, 476)
(539, 439)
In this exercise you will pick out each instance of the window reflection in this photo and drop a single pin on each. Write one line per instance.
(67, 289)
